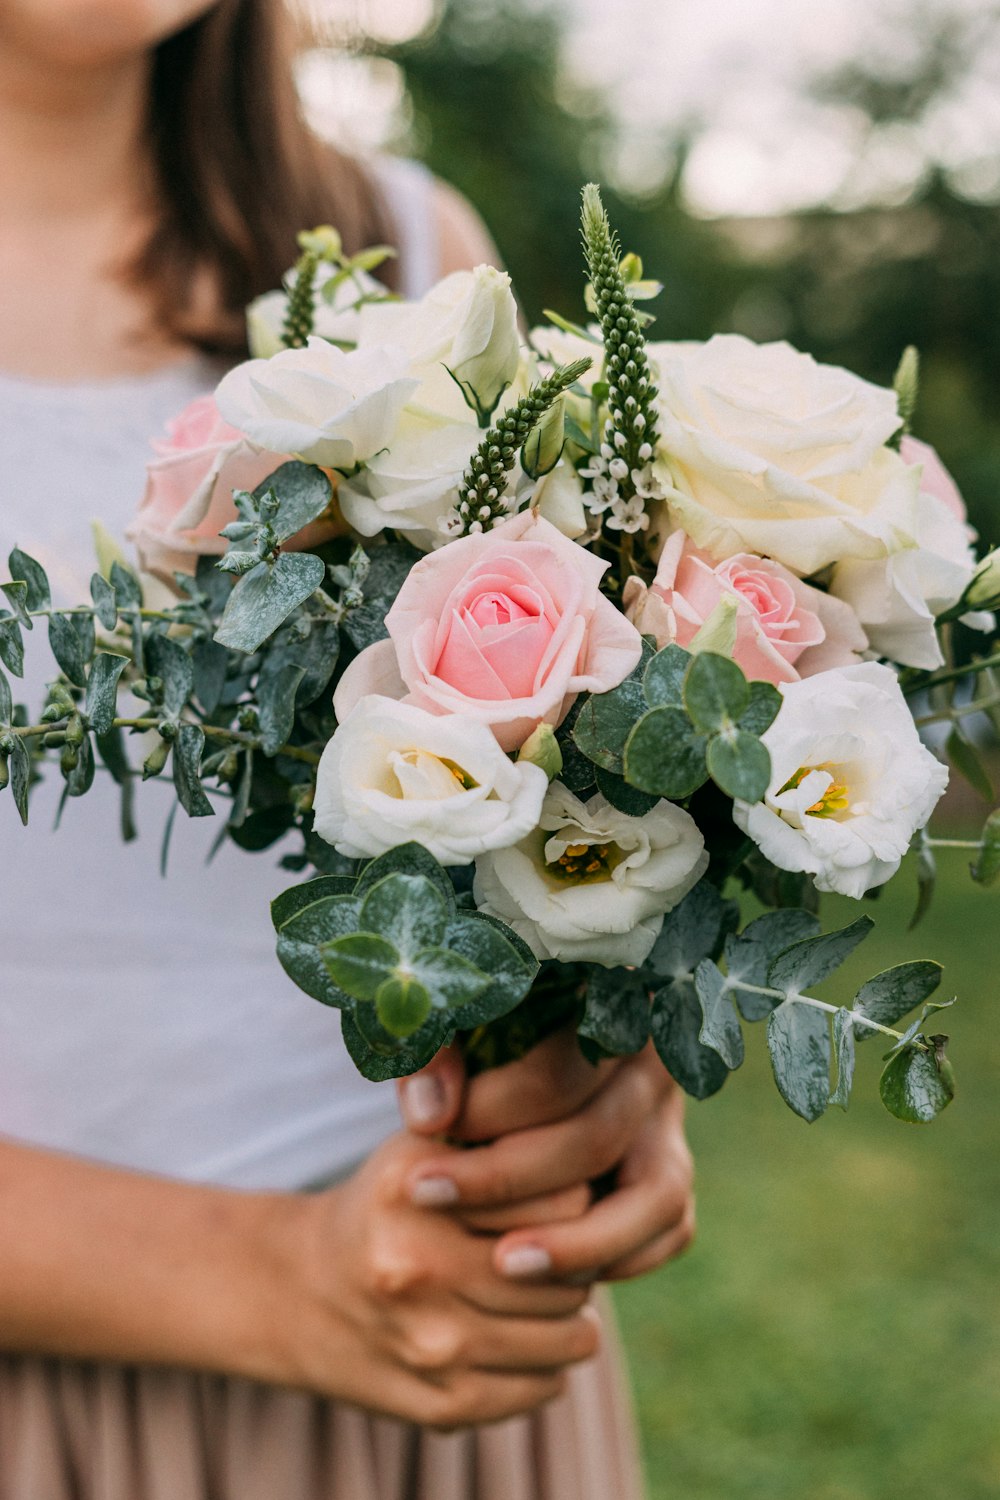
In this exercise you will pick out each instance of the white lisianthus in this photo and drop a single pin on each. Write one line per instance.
(850, 781)
(466, 324)
(764, 450)
(558, 497)
(413, 484)
(392, 773)
(337, 319)
(591, 882)
(325, 406)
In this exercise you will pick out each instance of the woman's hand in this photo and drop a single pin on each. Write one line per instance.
(405, 1312)
(556, 1125)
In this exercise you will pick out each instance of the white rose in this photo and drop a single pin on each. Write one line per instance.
(897, 598)
(590, 882)
(329, 407)
(764, 450)
(466, 324)
(850, 781)
(393, 773)
(414, 483)
(337, 319)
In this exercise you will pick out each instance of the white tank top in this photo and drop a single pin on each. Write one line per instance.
(145, 1021)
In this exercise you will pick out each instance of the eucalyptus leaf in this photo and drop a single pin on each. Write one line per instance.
(389, 568)
(6, 701)
(360, 962)
(302, 936)
(720, 1028)
(692, 931)
(926, 881)
(605, 722)
(663, 680)
(402, 1004)
(16, 595)
(811, 960)
(102, 690)
(410, 909)
(750, 954)
(616, 1011)
(263, 598)
(762, 710)
(188, 748)
(80, 779)
(739, 765)
(494, 949)
(406, 859)
(168, 660)
(11, 645)
(297, 897)
(20, 777)
(26, 570)
(967, 761)
(450, 980)
(798, 1039)
(627, 799)
(128, 590)
(665, 755)
(379, 1065)
(716, 692)
(209, 663)
(276, 701)
(304, 493)
(111, 749)
(986, 866)
(894, 993)
(843, 1044)
(915, 1087)
(67, 649)
(103, 597)
(675, 1023)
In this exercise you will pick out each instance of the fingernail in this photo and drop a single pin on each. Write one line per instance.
(526, 1260)
(433, 1192)
(423, 1100)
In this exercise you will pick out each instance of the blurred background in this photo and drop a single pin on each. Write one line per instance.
(829, 175)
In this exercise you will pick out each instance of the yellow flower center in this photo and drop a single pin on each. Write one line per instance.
(585, 862)
(836, 798)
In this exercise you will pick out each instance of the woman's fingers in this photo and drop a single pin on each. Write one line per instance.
(549, 1208)
(656, 1253)
(525, 1164)
(550, 1082)
(530, 1344)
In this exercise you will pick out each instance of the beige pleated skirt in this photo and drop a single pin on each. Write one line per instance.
(80, 1431)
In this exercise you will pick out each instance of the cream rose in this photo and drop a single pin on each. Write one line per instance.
(850, 780)
(591, 882)
(506, 627)
(189, 489)
(763, 450)
(784, 628)
(324, 406)
(393, 773)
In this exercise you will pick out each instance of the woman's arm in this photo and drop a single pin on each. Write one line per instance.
(353, 1292)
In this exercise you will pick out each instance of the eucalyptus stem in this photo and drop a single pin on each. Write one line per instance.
(951, 674)
(760, 989)
(211, 731)
(963, 711)
(89, 609)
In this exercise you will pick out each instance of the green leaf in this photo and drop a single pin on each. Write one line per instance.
(402, 1005)
(168, 660)
(843, 1043)
(297, 897)
(81, 778)
(965, 758)
(986, 866)
(67, 649)
(798, 1039)
(495, 950)
(397, 1059)
(616, 1011)
(451, 980)
(814, 959)
(720, 1029)
(605, 722)
(360, 962)
(102, 690)
(313, 645)
(916, 1084)
(303, 492)
(675, 1023)
(749, 956)
(263, 598)
(301, 938)
(410, 908)
(6, 701)
(406, 859)
(188, 749)
(209, 664)
(103, 596)
(388, 569)
(11, 645)
(926, 881)
(111, 748)
(17, 597)
(276, 701)
(26, 570)
(716, 692)
(627, 799)
(663, 680)
(20, 777)
(665, 755)
(895, 992)
(762, 710)
(739, 765)
(692, 931)
(128, 590)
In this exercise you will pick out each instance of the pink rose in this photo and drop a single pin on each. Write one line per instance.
(784, 628)
(507, 628)
(189, 489)
(935, 480)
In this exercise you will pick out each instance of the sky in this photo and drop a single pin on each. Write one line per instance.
(737, 70)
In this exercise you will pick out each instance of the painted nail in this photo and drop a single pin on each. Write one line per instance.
(423, 1100)
(526, 1260)
(433, 1192)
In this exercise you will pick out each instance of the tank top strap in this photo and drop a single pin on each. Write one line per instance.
(408, 190)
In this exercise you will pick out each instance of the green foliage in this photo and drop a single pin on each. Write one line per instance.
(615, 1020)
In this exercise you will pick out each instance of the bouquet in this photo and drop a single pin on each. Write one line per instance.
(535, 656)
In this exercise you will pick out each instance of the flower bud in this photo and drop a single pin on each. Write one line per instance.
(541, 748)
(544, 444)
(984, 590)
(718, 633)
(486, 350)
(156, 759)
(323, 241)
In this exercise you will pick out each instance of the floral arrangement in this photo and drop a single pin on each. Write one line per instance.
(547, 650)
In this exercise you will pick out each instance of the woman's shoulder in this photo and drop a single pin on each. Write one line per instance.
(437, 228)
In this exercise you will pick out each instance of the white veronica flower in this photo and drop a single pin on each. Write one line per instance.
(323, 405)
(393, 773)
(591, 882)
(850, 781)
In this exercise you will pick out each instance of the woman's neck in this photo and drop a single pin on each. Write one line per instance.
(76, 185)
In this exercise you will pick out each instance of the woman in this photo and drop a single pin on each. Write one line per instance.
(180, 1318)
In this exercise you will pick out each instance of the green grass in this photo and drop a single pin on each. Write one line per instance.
(834, 1332)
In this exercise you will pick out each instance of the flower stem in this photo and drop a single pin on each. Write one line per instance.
(951, 674)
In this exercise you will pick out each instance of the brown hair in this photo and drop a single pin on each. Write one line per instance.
(238, 173)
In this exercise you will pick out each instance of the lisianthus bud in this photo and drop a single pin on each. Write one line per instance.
(718, 633)
(984, 590)
(541, 748)
(486, 351)
(544, 445)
